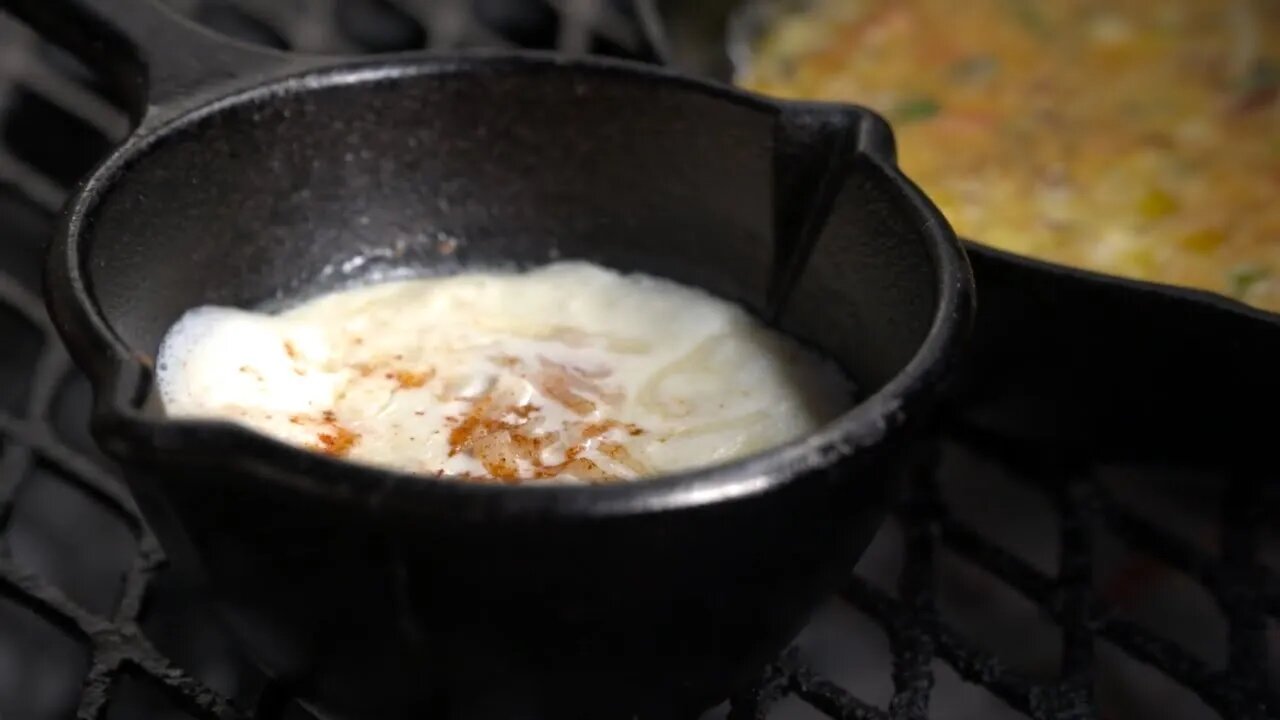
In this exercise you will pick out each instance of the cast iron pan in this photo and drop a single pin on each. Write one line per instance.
(255, 177)
(1081, 361)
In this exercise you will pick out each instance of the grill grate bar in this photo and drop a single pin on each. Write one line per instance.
(71, 95)
(97, 690)
(21, 66)
(756, 702)
(1216, 688)
(1238, 587)
(137, 578)
(18, 299)
(305, 23)
(911, 632)
(87, 475)
(117, 646)
(833, 700)
(454, 25)
(1239, 575)
(1075, 578)
(970, 663)
(36, 186)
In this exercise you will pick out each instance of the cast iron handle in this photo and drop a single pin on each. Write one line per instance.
(160, 62)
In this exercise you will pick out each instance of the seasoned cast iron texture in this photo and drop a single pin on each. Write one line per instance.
(681, 599)
(388, 595)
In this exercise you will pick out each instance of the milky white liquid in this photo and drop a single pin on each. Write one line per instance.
(567, 373)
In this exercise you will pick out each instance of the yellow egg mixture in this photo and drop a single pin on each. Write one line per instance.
(1130, 137)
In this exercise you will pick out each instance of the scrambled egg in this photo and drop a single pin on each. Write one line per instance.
(1129, 137)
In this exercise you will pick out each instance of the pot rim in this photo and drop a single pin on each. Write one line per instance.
(121, 378)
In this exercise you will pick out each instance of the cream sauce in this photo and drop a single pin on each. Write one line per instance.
(569, 372)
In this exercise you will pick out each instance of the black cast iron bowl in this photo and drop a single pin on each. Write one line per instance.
(1085, 363)
(256, 177)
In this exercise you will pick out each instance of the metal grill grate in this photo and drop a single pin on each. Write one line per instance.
(351, 26)
(1012, 581)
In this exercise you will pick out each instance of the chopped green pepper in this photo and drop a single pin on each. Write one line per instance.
(1264, 75)
(975, 68)
(1030, 14)
(1242, 278)
(1157, 204)
(1260, 85)
(914, 109)
(1203, 241)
